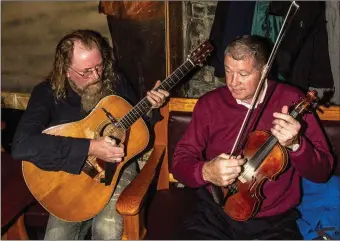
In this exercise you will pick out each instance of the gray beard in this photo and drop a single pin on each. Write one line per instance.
(91, 94)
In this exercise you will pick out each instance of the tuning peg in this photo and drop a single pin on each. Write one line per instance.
(314, 105)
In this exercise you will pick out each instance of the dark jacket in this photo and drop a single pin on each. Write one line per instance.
(303, 56)
(55, 153)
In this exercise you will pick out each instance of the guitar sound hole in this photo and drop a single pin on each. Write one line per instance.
(113, 131)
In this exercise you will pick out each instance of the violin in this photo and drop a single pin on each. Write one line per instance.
(266, 160)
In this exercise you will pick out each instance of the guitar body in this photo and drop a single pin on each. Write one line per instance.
(80, 197)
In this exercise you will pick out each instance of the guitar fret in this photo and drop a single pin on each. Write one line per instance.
(122, 122)
(179, 69)
(140, 110)
(133, 113)
(163, 85)
(172, 81)
(144, 105)
(180, 72)
(136, 113)
(176, 74)
(167, 83)
(127, 120)
(185, 64)
(131, 116)
(119, 124)
(186, 67)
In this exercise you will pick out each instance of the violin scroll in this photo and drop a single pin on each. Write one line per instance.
(305, 104)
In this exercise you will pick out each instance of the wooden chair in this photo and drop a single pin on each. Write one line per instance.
(132, 203)
(160, 217)
(15, 199)
(20, 212)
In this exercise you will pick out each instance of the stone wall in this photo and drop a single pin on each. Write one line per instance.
(198, 18)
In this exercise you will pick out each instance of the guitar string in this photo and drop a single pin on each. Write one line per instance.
(128, 119)
(128, 116)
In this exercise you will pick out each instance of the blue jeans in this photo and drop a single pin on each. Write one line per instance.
(107, 225)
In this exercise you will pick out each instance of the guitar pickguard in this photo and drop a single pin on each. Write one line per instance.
(94, 167)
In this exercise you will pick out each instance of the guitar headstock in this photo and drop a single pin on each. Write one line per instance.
(200, 53)
(310, 100)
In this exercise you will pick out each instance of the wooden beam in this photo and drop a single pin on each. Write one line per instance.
(187, 105)
(14, 100)
(19, 101)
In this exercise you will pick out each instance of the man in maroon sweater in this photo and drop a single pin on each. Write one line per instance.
(201, 156)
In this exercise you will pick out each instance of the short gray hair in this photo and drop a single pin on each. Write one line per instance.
(248, 46)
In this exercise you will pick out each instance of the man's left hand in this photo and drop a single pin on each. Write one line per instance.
(286, 128)
(157, 97)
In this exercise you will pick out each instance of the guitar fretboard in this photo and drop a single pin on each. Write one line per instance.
(144, 105)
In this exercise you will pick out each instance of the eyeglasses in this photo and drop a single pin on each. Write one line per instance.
(87, 73)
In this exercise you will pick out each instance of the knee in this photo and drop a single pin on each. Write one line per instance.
(61, 230)
(109, 229)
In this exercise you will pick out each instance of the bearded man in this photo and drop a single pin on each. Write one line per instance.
(83, 73)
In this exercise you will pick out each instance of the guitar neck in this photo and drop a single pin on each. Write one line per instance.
(144, 105)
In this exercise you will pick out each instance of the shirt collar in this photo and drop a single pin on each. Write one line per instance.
(260, 100)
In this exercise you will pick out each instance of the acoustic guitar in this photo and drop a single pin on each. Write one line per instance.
(80, 197)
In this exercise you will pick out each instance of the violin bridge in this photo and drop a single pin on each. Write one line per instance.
(247, 174)
(242, 179)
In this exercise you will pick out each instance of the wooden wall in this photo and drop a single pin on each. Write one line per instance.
(138, 36)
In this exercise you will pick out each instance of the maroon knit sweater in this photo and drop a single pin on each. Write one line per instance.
(215, 123)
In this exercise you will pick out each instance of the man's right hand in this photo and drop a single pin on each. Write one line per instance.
(223, 170)
(106, 149)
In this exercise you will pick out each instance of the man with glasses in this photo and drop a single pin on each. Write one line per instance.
(83, 73)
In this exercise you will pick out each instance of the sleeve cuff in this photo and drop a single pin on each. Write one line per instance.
(297, 149)
(199, 174)
(77, 156)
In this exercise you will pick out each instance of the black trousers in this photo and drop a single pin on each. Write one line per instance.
(209, 221)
